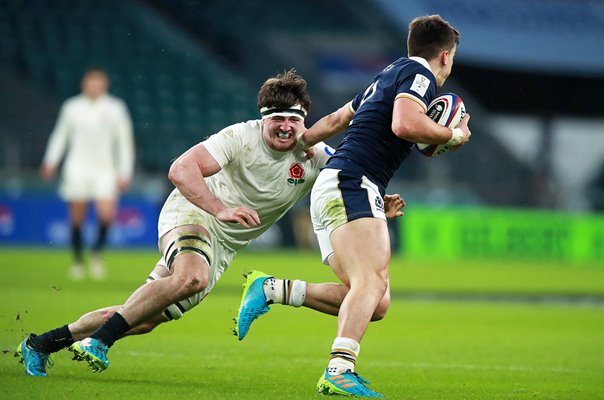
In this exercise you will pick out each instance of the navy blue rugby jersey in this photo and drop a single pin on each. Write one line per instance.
(369, 146)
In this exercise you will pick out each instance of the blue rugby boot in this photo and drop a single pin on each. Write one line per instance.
(35, 361)
(253, 302)
(347, 384)
(93, 351)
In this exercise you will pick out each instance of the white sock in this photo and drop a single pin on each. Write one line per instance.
(285, 291)
(344, 353)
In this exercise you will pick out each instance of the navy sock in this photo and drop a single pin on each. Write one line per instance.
(76, 243)
(101, 239)
(112, 330)
(51, 341)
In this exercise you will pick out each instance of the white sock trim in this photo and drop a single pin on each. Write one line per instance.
(344, 353)
(348, 344)
(285, 291)
(298, 293)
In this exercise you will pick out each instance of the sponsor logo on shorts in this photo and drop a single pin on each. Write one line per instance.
(379, 203)
(296, 174)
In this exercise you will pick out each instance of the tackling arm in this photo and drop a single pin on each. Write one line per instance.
(187, 174)
(326, 127)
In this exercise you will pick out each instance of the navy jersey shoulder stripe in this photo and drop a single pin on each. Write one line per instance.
(414, 98)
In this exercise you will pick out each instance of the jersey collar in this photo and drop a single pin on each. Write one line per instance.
(422, 61)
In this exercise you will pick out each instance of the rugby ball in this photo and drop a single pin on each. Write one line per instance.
(448, 110)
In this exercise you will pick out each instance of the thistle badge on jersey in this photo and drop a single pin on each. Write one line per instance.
(296, 172)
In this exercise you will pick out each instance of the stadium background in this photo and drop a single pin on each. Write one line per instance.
(515, 216)
(529, 72)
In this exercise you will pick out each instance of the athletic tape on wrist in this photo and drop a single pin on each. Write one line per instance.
(456, 138)
(300, 140)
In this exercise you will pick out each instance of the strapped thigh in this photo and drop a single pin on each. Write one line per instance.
(182, 243)
(176, 310)
(188, 242)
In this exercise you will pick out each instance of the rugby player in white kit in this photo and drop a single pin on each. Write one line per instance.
(94, 133)
(230, 188)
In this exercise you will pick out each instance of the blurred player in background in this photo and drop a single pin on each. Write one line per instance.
(347, 208)
(94, 132)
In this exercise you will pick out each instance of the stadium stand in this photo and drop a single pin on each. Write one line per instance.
(341, 48)
(189, 67)
(538, 60)
(175, 98)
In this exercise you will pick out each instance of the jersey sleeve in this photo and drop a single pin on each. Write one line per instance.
(125, 139)
(419, 86)
(322, 153)
(225, 145)
(57, 143)
(356, 102)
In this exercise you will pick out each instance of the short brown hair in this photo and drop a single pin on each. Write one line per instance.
(283, 91)
(96, 71)
(429, 35)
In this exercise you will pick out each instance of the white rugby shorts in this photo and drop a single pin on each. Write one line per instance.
(88, 185)
(339, 197)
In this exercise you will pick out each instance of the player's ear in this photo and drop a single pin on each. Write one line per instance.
(444, 57)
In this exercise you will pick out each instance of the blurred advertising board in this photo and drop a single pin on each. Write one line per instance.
(42, 221)
(502, 234)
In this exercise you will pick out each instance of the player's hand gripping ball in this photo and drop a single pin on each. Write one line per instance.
(448, 110)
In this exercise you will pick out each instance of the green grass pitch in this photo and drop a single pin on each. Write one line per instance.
(454, 331)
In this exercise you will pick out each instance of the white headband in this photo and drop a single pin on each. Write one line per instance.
(293, 111)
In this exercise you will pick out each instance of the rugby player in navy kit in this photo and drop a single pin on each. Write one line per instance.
(381, 124)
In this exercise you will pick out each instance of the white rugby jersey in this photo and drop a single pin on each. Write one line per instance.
(98, 134)
(255, 176)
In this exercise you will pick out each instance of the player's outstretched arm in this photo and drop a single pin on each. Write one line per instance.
(326, 127)
(187, 174)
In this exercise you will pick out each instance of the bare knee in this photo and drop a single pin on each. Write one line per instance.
(90, 322)
(375, 282)
(98, 317)
(382, 308)
(187, 285)
(107, 313)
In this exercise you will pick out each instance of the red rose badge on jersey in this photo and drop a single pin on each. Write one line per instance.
(296, 172)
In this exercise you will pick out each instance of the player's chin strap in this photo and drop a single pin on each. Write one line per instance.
(294, 111)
